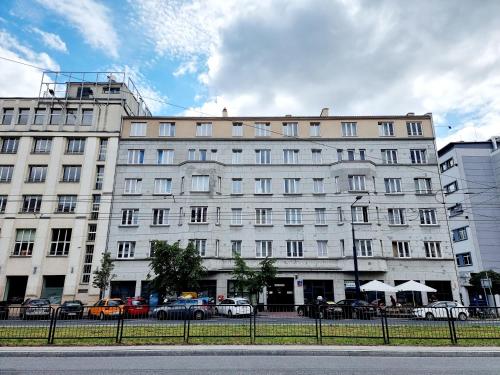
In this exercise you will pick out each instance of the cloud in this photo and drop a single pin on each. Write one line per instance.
(185, 67)
(18, 79)
(53, 41)
(91, 19)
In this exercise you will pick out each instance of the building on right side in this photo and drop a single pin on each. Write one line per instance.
(470, 175)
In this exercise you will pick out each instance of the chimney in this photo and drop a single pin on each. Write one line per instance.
(224, 112)
(410, 114)
(325, 112)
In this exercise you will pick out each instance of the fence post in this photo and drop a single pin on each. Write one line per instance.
(188, 317)
(385, 327)
(451, 324)
(118, 338)
(52, 326)
(254, 325)
(252, 313)
(186, 332)
(319, 339)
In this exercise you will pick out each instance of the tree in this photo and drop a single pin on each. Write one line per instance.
(475, 280)
(175, 269)
(104, 275)
(253, 281)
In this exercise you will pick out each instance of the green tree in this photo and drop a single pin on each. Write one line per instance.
(104, 275)
(475, 280)
(247, 280)
(175, 269)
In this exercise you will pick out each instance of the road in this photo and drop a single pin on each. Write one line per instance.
(249, 365)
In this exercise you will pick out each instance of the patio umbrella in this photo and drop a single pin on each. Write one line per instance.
(413, 286)
(376, 286)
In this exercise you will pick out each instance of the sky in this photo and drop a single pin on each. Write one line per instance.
(359, 57)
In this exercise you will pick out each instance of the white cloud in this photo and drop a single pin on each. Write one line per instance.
(189, 66)
(93, 21)
(51, 40)
(18, 79)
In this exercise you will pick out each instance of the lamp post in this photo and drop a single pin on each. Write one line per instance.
(354, 251)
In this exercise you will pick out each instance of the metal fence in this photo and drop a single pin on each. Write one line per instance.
(223, 324)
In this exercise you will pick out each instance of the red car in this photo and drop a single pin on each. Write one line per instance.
(136, 307)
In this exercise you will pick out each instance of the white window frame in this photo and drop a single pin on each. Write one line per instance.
(318, 186)
(314, 129)
(25, 241)
(163, 186)
(393, 185)
(418, 156)
(60, 245)
(428, 216)
(130, 217)
(200, 183)
(6, 173)
(237, 129)
(316, 156)
(349, 129)
(199, 215)
(236, 157)
(166, 129)
(432, 249)
(200, 244)
(294, 249)
(161, 216)
(37, 173)
(132, 186)
(263, 216)
(386, 129)
(364, 248)
(414, 129)
(360, 214)
(322, 248)
(396, 216)
(237, 186)
(237, 216)
(126, 250)
(72, 173)
(262, 129)
(42, 145)
(236, 248)
(291, 186)
(66, 203)
(320, 216)
(401, 249)
(10, 145)
(290, 129)
(204, 129)
(357, 182)
(138, 129)
(390, 156)
(291, 156)
(263, 156)
(135, 156)
(293, 216)
(165, 156)
(31, 203)
(263, 186)
(423, 186)
(263, 249)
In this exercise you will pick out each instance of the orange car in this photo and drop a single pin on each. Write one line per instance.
(106, 308)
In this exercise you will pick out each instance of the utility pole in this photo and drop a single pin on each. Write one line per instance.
(354, 250)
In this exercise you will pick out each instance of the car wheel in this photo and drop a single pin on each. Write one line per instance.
(198, 315)
(429, 316)
(300, 311)
(229, 314)
(101, 316)
(162, 315)
(462, 316)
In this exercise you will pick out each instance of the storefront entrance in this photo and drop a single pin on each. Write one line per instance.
(122, 289)
(315, 288)
(53, 288)
(15, 289)
(281, 292)
(443, 288)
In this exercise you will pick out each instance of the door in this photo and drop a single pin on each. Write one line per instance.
(281, 292)
(15, 289)
(53, 288)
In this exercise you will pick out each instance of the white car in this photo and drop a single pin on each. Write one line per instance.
(234, 307)
(437, 310)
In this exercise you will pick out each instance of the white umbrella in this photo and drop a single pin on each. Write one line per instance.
(377, 286)
(413, 286)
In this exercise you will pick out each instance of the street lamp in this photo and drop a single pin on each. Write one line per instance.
(354, 251)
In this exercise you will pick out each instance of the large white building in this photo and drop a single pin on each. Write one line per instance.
(57, 161)
(283, 187)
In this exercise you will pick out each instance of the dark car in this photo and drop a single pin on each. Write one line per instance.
(323, 310)
(71, 309)
(35, 308)
(359, 309)
(4, 310)
(196, 309)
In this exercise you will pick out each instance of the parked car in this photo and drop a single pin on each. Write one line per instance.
(135, 307)
(441, 310)
(4, 310)
(237, 306)
(71, 309)
(355, 308)
(35, 308)
(106, 308)
(325, 310)
(193, 308)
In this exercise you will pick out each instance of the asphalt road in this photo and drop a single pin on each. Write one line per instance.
(246, 365)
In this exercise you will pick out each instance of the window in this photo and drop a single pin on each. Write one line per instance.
(342, 247)
(263, 216)
(349, 129)
(392, 185)
(71, 116)
(320, 216)
(444, 166)
(199, 183)
(135, 156)
(459, 234)
(262, 186)
(427, 216)
(199, 215)
(99, 177)
(293, 216)
(432, 249)
(364, 248)
(318, 186)
(133, 186)
(337, 184)
(31, 203)
(6, 173)
(39, 116)
(236, 216)
(390, 156)
(322, 248)
(350, 155)
(414, 128)
(340, 215)
(397, 216)
(163, 186)
(204, 129)
(219, 184)
(292, 185)
(37, 173)
(290, 129)
(236, 159)
(217, 246)
(55, 116)
(191, 154)
(263, 156)
(75, 146)
(464, 260)
(401, 249)
(263, 249)
(359, 214)
(160, 216)
(165, 157)
(237, 129)
(455, 210)
(200, 246)
(314, 129)
(126, 250)
(262, 129)
(92, 232)
(167, 129)
(362, 154)
(103, 147)
(9, 145)
(42, 145)
(138, 129)
(451, 187)
(236, 248)
(340, 154)
(236, 186)
(418, 156)
(87, 115)
(71, 173)
(23, 115)
(294, 249)
(111, 90)
(130, 216)
(61, 239)
(87, 265)
(357, 183)
(291, 156)
(202, 154)
(96, 205)
(25, 240)
(316, 156)
(8, 114)
(3, 203)
(423, 186)
(66, 203)
(386, 129)
(213, 155)
(217, 216)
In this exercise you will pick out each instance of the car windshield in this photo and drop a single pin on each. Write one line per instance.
(137, 303)
(114, 303)
(72, 304)
(39, 302)
(363, 303)
(243, 302)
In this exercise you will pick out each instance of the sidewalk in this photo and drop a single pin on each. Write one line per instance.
(262, 350)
